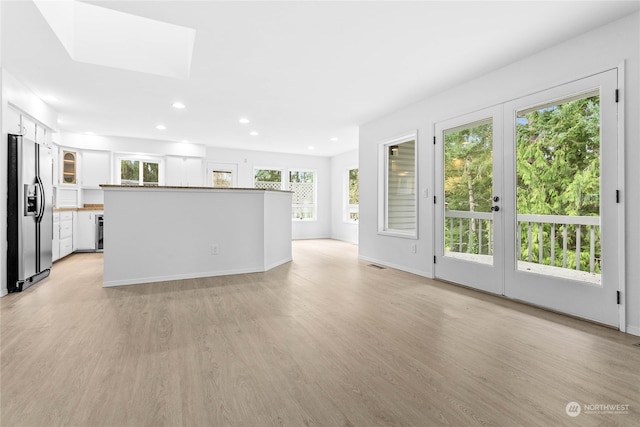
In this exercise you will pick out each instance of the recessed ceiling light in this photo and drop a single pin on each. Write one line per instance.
(334, 139)
(311, 147)
(49, 98)
(179, 105)
(243, 121)
(254, 133)
(185, 141)
(89, 133)
(161, 127)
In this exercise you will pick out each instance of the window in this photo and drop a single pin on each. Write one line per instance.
(139, 172)
(222, 175)
(353, 209)
(268, 179)
(301, 182)
(303, 185)
(221, 179)
(397, 212)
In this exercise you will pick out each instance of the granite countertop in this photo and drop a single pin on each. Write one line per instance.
(176, 187)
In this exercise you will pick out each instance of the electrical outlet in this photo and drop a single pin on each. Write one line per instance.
(215, 249)
(414, 248)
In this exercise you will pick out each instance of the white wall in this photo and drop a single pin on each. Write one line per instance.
(599, 50)
(247, 160)
(340, 165)
(118, 144)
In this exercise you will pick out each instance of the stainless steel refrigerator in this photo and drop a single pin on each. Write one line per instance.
(29, 213)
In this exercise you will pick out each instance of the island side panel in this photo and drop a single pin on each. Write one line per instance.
(277, 229)
(163, 234)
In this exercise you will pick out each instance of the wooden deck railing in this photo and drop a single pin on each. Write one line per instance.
(471, 232)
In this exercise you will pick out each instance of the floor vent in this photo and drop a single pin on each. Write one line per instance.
(379, 267)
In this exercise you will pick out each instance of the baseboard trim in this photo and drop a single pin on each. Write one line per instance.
(153, 279)
(633, 330)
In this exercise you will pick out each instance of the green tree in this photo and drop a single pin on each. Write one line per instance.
(353, 187)
(468, 183)
(558, 173)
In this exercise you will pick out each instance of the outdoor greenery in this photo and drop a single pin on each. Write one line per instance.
(353, 187)
(558, 173)
(268, 175)
(130, 172)
(150, 173)
(354, 198)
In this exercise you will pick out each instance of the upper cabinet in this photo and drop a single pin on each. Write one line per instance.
(96, 168)
(19, 124)
(14, 122)
(184, 171)
(69, 167)
(86, 168)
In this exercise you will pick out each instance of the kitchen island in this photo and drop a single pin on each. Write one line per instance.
(161, 233)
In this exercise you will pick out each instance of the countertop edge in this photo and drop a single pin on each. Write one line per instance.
(175, 187)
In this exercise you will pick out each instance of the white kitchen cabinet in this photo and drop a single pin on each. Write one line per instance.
(193, 171)
(96, 168)
(14, 122)
(86, 239)
(55, 246)
(28, 128)
(66, 233)
(183, 171)
(19, 124)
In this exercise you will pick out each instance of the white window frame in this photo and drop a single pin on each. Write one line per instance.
(346, 210)
(315, 193)
(142, 159)
(383, 186)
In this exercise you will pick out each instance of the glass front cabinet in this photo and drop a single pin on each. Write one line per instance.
(69, 167)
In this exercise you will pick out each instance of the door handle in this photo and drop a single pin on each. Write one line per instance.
(495, 208)
(41, 199)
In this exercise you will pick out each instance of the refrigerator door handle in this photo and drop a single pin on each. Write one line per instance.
(41, 199)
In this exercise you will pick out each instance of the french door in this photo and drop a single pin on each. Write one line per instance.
(469, 182)
(528, 199)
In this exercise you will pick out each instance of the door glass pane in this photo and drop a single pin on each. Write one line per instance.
(558, 189)
(468, 192)
(303, 204)
(222, 179)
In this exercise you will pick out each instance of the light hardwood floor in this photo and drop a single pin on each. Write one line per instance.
(323, 341)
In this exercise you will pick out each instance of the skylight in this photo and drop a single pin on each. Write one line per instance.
(101, 36)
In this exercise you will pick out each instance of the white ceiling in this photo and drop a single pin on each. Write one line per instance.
(302, 72)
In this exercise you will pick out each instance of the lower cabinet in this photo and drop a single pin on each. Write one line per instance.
(66, 233)
(86, 226)
(73, 231)
(55, 247)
